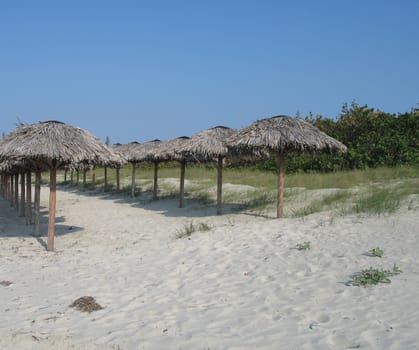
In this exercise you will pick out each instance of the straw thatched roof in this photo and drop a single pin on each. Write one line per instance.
(18, 166)
(127, 150)
(283, 133)
(57, 141)
(209, 143)
(167, 150)
(146, 151)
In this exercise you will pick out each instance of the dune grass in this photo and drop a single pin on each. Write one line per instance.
(371, 191)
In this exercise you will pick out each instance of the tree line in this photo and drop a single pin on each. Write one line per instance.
(374, 138)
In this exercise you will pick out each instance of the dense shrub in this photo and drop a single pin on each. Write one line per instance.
(374, 138)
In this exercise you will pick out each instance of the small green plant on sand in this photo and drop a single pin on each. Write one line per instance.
(378, 252)
(303, 246)
(371, 276)
(191, 228)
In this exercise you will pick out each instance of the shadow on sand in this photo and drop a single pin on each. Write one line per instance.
(13, 225)
(166, 204)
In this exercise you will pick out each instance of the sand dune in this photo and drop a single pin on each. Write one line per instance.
(240, 285)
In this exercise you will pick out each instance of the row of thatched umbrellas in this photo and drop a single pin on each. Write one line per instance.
(54, 145)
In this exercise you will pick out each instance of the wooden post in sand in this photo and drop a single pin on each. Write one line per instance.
(16, 192)
(133, 180)
(52, 204)
(6, 186)
(37, 202)
(12, 195)
(28, 213)
(105, 174)
(182, 183)
(155, 184)
(280, 201)
(118, 182)
(84, 178)
(22, 195)
(220, 185)
(93, 172)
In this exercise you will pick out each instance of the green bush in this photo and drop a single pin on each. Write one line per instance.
(372, 276)
(374, 138)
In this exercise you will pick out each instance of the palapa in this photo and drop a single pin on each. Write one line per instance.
(279, 135)
(54, 144)
(128, 150)
(210, 145)
(146, 153)
(168, 151)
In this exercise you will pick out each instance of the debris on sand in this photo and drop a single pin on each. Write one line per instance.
(86, 304)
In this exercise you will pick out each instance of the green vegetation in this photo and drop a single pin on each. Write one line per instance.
(378, 191)
(372, 276)
(191, 228)
(303, 246)
(378, 252)
(374, 139)
(380, 200)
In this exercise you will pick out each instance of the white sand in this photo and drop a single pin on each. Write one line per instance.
(240, 285)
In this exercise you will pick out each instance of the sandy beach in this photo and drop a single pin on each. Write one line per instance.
(239, 285)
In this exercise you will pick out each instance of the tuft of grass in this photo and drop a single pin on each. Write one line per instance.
(303, 246)
(191, 228)
(373, 276)
(307, 210)
(378, 252)
(203, 198)
(337, 197)
(258, 200)
(378, 201)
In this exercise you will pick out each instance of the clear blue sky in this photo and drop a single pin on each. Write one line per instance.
(139, 70)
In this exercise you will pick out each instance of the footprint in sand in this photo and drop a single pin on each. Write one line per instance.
(322, 318)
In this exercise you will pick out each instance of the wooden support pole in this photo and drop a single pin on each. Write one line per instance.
(105, 174)
(220, 185)
(7, 189)
(84, 179)
(93, 172)
(52, 205)
(280, 202)
(155, 185)
(22, 195)
(10, 188)
(133, 180)
(37, 203)
(16, 192)
(182, 183)
(28, 213)
(12, 195)
(118, 182)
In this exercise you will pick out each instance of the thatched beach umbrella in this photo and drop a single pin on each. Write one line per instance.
(54, 144)
(128, 151)
(207, 145)
(146, 153)
(279, 135)
(167, 151)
